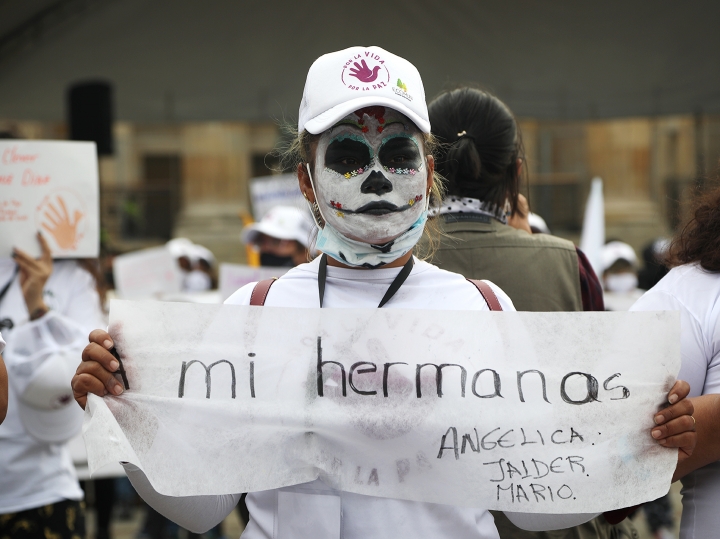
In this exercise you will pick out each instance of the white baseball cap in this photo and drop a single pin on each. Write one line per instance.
(282, 222)
(537, 222)
(179, 247)
(46, 405)
(197, 252)
(41, 364)
(617, 250)
(341, 82)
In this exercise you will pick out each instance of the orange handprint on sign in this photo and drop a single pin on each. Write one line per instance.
(57, 222)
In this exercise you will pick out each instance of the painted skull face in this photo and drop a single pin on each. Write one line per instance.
(371, 175)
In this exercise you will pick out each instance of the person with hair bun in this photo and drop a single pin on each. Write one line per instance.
(486, 235)
(692, 287)
(483, 215)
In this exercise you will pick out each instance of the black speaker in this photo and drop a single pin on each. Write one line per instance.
(90, 114)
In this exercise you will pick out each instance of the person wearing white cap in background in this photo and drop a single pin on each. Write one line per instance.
(180, 248)
(200, 276)
(195, 261)
(620, 280)
(282, 236)
(46, 310)
(364, 165)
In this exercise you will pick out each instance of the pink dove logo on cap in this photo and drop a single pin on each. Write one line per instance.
(358, 67)
(363, 73)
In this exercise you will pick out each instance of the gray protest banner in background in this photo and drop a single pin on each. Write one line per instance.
(531, 412)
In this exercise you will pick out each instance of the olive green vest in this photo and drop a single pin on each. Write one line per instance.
(539, 272)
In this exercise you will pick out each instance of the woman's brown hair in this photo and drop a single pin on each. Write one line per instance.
(699, 240)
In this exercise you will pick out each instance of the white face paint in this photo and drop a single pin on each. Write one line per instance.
(371, 175)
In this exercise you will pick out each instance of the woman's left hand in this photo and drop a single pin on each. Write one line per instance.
(34, 273)
(675, 426)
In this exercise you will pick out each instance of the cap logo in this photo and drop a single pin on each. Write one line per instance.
(401, 89)
(365, 72)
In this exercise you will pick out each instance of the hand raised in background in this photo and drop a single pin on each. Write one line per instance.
(34, 273)
(59, 226)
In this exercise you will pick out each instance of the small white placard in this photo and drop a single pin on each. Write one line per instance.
(149, 273)
(266, 192)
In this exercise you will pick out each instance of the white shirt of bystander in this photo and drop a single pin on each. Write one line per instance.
(696, 294)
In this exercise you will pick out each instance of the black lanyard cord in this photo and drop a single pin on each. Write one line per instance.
(394, 286)
(6, 322)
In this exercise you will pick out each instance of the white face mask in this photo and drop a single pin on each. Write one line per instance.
(371, 175)
(621, 283)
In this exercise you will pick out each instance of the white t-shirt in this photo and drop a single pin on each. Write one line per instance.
(358, 516)
(2, 344)
(696, 294)
(32, 473)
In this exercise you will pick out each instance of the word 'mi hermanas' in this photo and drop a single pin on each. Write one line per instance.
(350, 376)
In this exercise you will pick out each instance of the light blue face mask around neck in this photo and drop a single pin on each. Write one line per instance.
(365, 255)
(360, 254)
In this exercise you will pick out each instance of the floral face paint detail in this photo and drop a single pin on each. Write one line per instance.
(369, 182)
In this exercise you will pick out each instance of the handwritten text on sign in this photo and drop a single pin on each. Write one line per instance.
(51, 187)
(534, 412)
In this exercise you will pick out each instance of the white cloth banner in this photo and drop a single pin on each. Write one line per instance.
(51, 187)
(531, 412)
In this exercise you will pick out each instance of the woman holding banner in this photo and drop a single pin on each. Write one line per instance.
(365, 166)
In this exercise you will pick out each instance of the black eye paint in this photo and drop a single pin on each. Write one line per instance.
(347, 155)
(400, 152)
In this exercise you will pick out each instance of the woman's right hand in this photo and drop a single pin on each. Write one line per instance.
(95, 373)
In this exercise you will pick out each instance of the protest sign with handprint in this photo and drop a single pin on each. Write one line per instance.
(51, 187)
(64, 226)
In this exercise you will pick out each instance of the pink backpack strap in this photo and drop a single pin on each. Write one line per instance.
(488, 294)
(260, 292)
